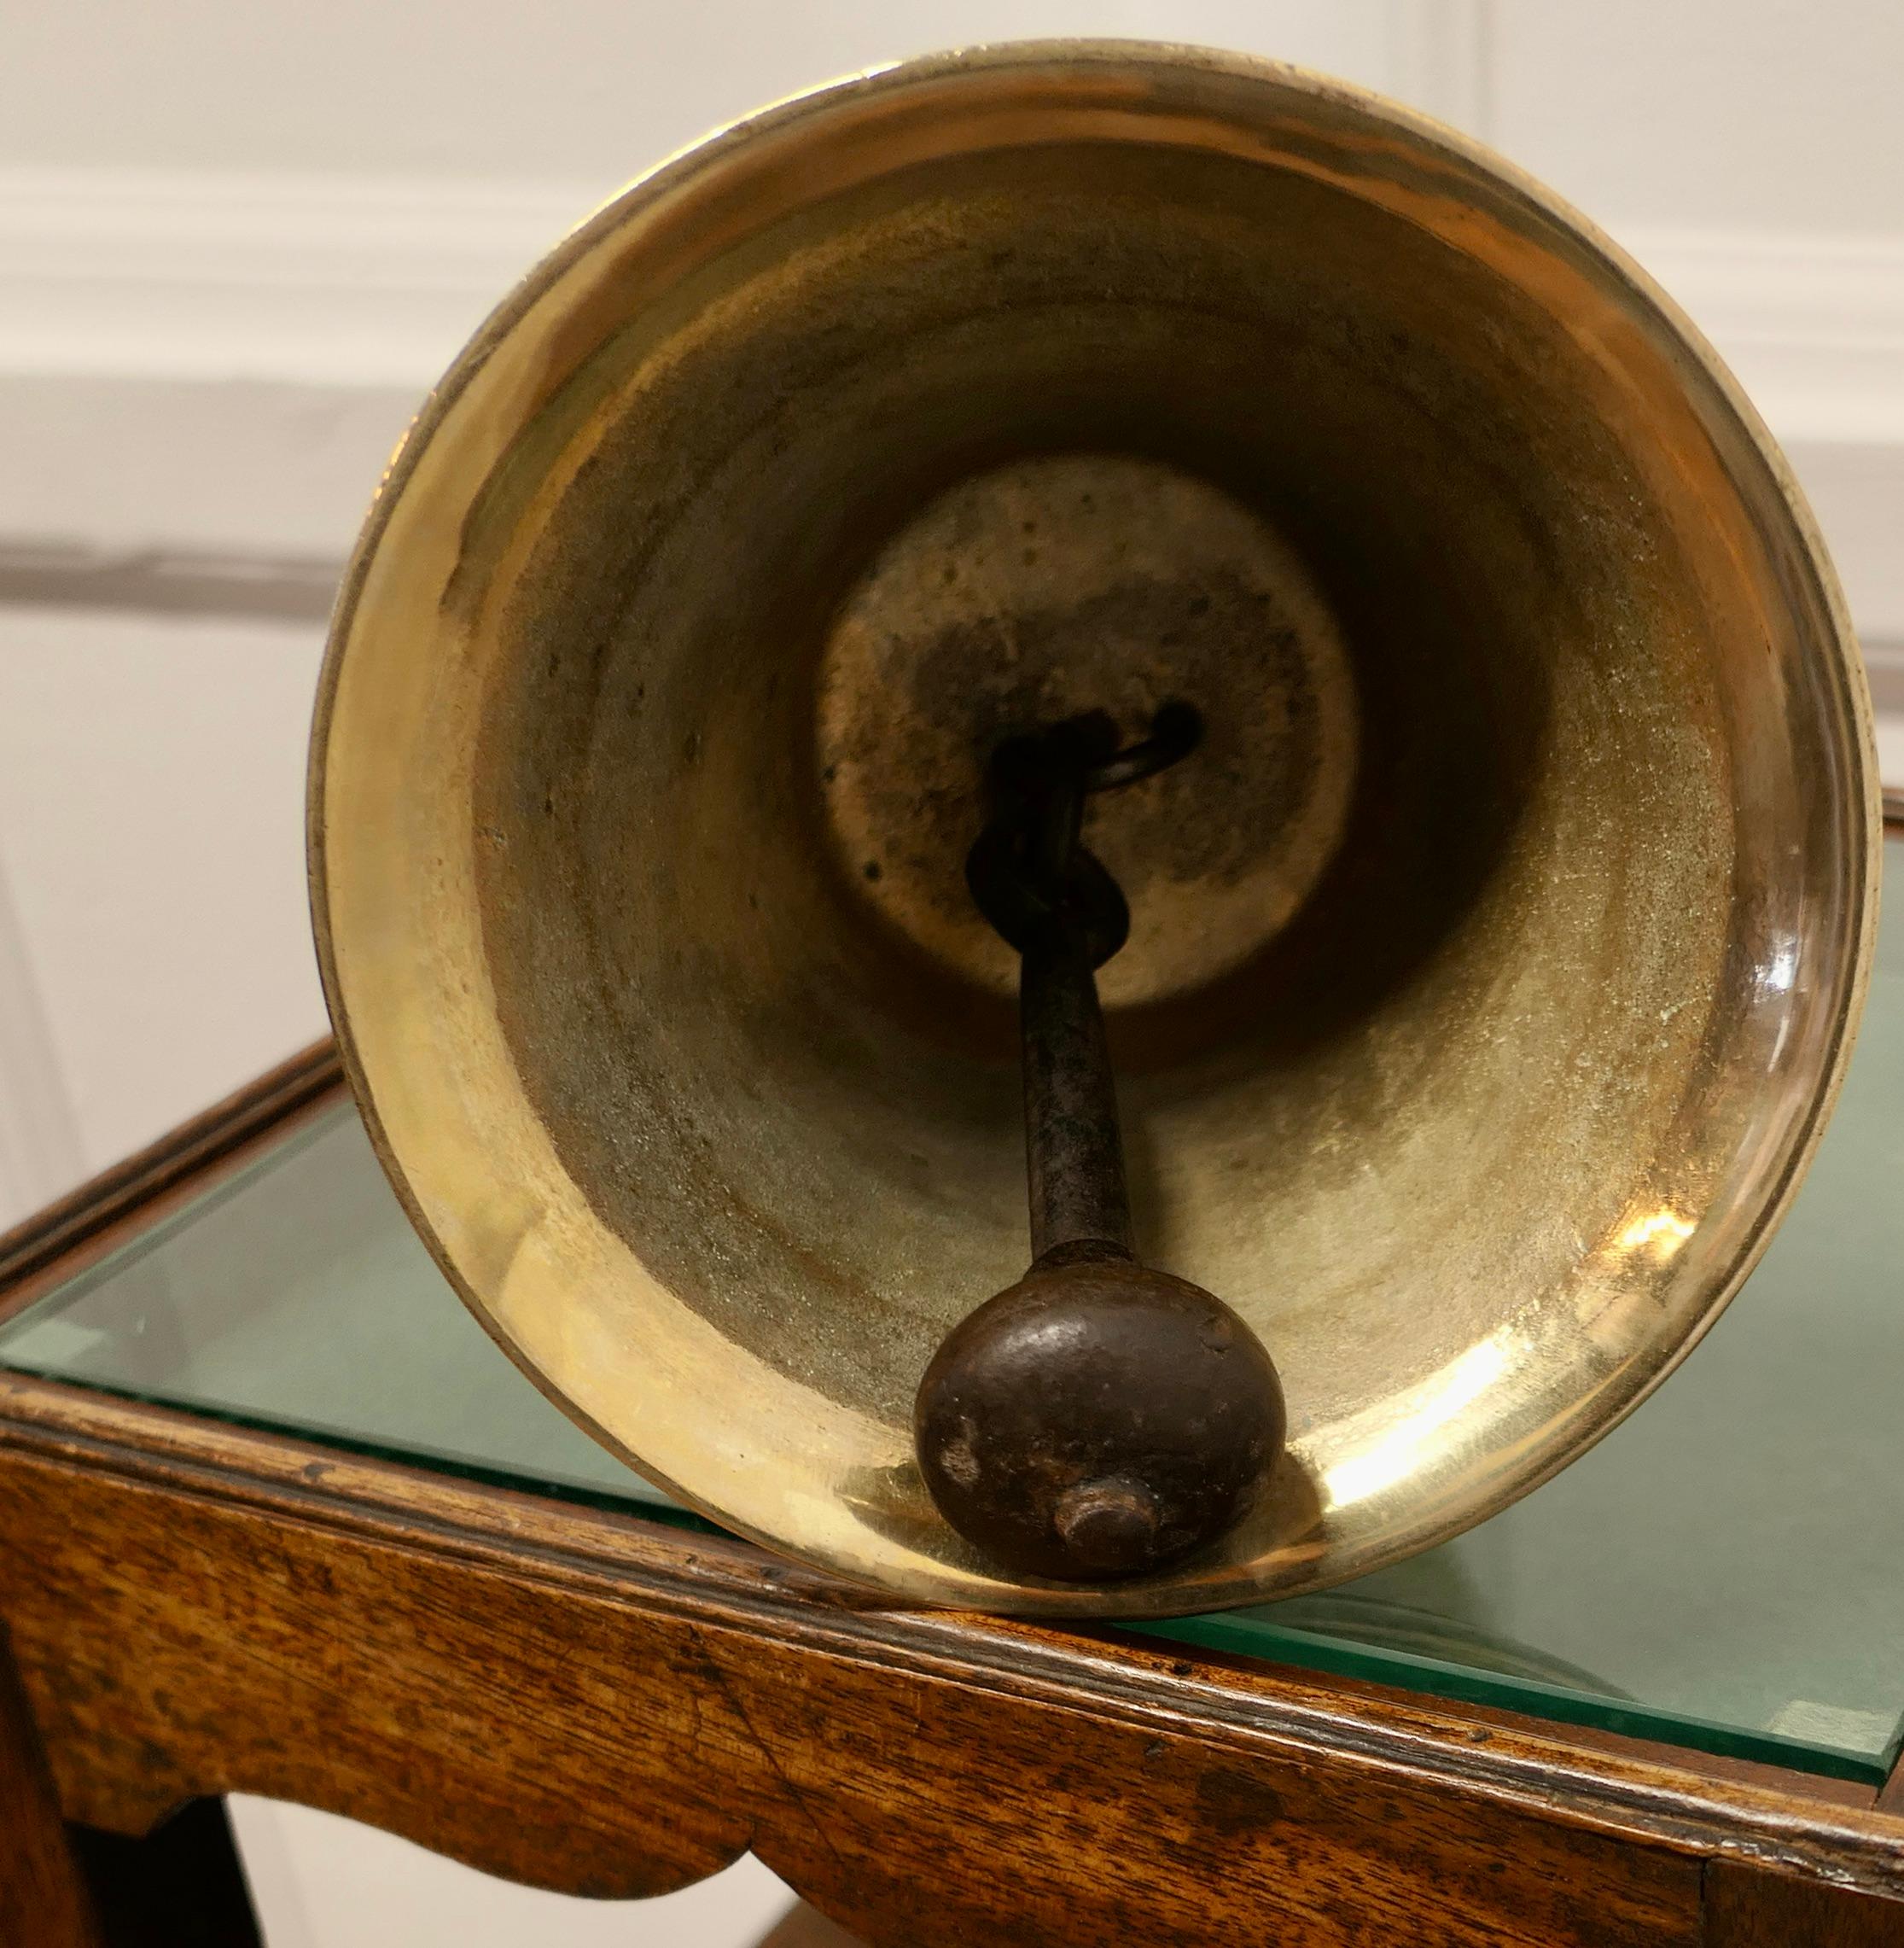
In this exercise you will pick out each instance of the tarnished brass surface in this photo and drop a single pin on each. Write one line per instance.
(1470, 1057)
(1033, 591)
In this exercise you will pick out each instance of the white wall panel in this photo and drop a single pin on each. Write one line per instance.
(589, 89)
(121, 462)
(319, 1881)
(151, 837)
(40, 1152)
(1752, 114)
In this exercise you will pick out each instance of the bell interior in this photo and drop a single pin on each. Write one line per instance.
(1450, 942)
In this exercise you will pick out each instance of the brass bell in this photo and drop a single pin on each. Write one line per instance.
(806, 572)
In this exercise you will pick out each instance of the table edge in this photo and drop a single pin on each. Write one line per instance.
(1643, 1788)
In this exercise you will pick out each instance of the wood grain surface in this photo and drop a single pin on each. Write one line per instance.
(1891, 1797)
(587, 1701)
(43, 1898)
(1747, 1907)
(571, 1736)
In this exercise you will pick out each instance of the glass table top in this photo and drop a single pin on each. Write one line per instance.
(1725, 1572)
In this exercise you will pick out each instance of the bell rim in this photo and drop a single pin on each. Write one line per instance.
(1861, 837)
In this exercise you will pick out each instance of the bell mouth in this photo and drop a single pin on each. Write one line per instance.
(1501, 958)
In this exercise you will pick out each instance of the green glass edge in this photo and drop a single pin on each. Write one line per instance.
(190, 1213)
(427, 1459)
(1267, 1642)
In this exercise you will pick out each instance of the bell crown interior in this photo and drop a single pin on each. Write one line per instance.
(1492, 962)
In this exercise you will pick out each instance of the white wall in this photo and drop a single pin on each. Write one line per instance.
(237, 239)
(1776, 116)
(587, 90)
(253, 233)
(150, 807)
(319, 1881)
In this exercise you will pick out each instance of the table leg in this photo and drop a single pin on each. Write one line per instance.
(63, 1885)
(43, 1894)
(805, 1927)
(180, 1886)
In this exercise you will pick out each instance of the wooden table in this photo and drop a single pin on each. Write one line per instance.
(581, 1698)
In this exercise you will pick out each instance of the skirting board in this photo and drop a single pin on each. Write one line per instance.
(220, 364)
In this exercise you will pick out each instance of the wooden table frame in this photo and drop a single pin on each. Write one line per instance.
(594, 1702)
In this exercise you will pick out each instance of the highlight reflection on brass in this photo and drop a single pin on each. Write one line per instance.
(1411, 1429)
(1660, 1232)
(1504, 942)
